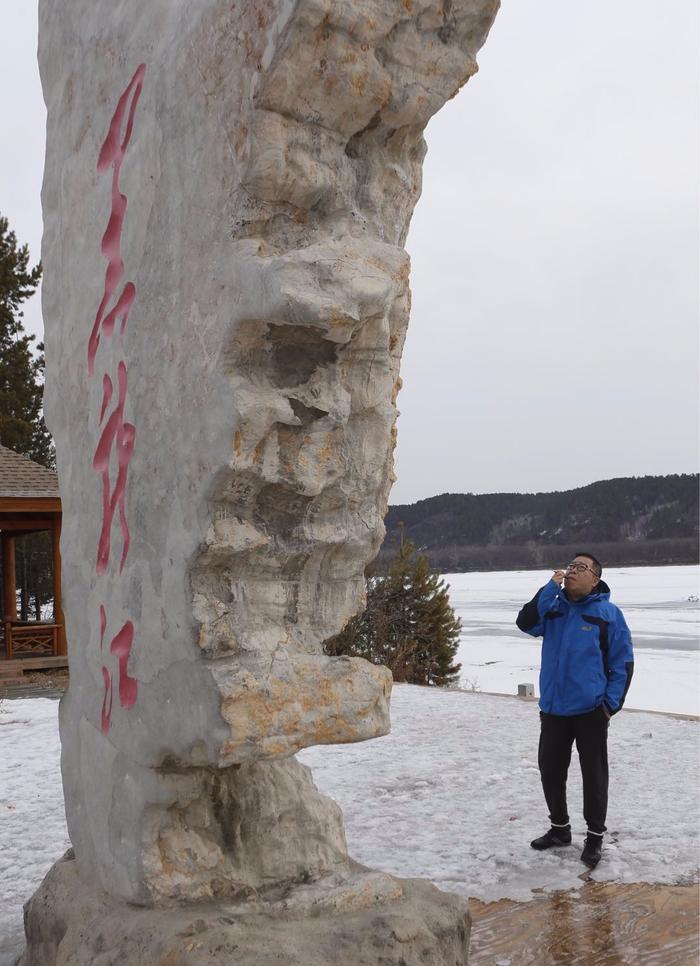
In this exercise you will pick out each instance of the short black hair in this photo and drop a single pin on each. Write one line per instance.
(597, 565)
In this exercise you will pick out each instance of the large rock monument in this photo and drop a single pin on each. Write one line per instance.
(227, 194)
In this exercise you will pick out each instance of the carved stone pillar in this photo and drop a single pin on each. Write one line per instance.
(227, 194)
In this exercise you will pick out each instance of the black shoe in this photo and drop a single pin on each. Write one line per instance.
(552, 838)
(592, 850)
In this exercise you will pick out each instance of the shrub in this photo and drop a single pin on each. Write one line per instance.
(408, 624)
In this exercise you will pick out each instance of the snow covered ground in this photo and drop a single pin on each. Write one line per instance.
(32, 820)
(658, 605)
(453, 794)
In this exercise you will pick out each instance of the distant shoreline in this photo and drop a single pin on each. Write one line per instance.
(544, 569)
(651, 521)
(504, 694)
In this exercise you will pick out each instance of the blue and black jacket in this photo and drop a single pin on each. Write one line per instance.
(587, 657)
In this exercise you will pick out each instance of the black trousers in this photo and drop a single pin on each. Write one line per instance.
(557, 735)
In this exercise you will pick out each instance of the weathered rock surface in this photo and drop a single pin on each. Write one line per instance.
(241, 828)
(227, 193)
(368, 919)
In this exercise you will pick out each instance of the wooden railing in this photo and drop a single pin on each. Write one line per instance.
(25, 639)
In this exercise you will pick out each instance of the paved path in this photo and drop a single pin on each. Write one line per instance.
(29, 691)
(602, 924)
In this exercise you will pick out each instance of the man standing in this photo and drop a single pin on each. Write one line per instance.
(587, 665)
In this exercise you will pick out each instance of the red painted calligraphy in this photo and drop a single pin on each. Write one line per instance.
(121, 647)
(106, 717)
(122, 435)
(112, 153)
(117, 437)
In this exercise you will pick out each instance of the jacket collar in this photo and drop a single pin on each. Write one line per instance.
(599, 592)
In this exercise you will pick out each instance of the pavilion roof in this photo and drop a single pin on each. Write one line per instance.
(22, 477)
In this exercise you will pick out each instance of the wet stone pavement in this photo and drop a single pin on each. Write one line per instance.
(601, 924)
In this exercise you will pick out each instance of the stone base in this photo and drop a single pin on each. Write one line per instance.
(363, 919)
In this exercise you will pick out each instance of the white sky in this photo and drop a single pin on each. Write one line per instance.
(554, 331)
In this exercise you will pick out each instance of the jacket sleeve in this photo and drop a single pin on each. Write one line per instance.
(531, 617)
(620, 663)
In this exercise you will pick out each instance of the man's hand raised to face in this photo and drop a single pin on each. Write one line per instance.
(558, 576)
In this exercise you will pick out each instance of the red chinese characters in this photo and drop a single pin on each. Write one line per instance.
(115, 446)
(112, 154)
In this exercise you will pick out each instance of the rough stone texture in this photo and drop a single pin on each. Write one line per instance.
(234, 829)
(227, 193)
(365, 920)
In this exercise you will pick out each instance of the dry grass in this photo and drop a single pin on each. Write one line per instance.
(47, 678)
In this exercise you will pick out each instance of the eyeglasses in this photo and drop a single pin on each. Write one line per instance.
(579, 568)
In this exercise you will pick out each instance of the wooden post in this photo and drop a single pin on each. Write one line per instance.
(9, 578)
(58, 618)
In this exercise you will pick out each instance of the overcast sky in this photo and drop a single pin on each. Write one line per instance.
(554, 331)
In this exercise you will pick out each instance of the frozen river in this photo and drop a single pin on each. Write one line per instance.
(660, 605)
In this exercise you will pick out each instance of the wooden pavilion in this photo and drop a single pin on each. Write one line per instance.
(29, 502)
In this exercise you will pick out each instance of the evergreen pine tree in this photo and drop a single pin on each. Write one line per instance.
(22, 427)
(408, 624)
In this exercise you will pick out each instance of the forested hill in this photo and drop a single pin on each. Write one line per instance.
(631, 520)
